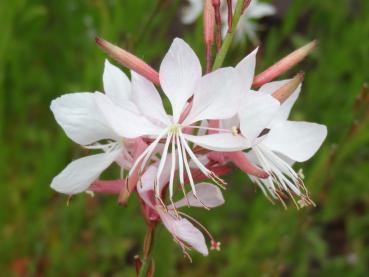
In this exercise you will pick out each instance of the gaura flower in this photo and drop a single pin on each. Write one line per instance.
(275, 142)
(281, 143)
(180, 225)
(247, 26)
(81, 119)
(214, 96)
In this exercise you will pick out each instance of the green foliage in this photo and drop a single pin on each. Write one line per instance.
(47, 49)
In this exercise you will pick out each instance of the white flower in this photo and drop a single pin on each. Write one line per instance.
(215, 96)
(284, 143)
(247, 26)
(276, 143)
(80, 117)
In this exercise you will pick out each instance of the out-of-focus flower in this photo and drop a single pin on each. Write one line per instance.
(247, 27)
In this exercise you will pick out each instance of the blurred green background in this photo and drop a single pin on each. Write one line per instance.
(47, 49)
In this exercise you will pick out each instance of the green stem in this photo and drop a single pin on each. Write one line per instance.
(148, 250)
(229, 37)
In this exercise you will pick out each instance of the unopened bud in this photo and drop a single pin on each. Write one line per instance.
(129, 60)
(288, 89)
(209, 24)
(284, 65)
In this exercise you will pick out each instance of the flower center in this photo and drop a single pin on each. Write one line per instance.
(174, 129)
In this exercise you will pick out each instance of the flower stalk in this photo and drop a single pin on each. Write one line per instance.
(229, 37)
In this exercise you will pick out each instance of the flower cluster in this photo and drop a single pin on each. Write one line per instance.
(181, 150)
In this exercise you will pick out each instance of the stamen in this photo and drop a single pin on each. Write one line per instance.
(220, 182)
(147, 152)
(282, 174)
(180, 166)
(210, 129)
(162, 162)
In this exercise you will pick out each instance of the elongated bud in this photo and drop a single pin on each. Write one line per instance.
(129, 60)
(138, 264)
(230, 14)
(285, 91)
(284, 65)
(218, 20)
(209, 24)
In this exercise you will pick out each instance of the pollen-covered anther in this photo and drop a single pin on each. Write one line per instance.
(215, 245)
(235, 131)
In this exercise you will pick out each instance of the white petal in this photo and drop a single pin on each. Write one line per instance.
(179, 72)
(217, 96)
(80, 174)
(209, 194)
(116, 84)
(229, 123)
(246, 68)
(184, 231)
(226, 142)
(124, 122)
(286, 106)
(78, 115)
(296, 140)
(147, 98)
(256, 112)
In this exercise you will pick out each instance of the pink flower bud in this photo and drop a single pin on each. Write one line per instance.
(129, 60)
(283, 65)
(285, 91)
(209, 23)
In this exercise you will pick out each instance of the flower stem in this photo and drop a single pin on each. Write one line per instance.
(148, 250)
(229, 37)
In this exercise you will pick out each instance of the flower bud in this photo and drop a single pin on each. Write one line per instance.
(285, 91)
(283, 65)
(129, 60)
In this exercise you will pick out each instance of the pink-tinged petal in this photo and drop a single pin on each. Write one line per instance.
(78, 115)
(286, 106)
(209, 194)
(184, 231)
(297, 140)
(179, 72)
(80, 174)
(246, 68)
(147, 98)
(146, 187)
(116, 84)
(257, 110)
(137, 147)
(124, 122)
(243, 163)
(217, 96)
(107, 186)
(225, 142)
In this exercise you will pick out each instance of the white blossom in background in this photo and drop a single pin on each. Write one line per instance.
(247, 26)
